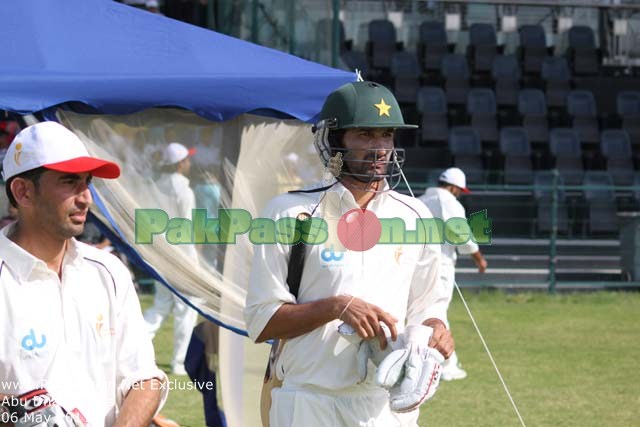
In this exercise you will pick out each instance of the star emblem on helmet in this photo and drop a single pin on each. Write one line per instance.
(383, 108)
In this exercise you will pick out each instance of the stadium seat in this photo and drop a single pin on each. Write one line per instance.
(382, 43)
(405, 71)
(353, 60)
(581, 106)
(533, 48)
(564, 145)
(324, 32)
(466, 149)
(532, 106)
(557, 79)
(421, 161)
(628, 109)
(505, 72)
(515, 148)
(601, 202)
(482, 47)
(432, 45)
(481, 106)
(432, 106)
(582, 52)
(455, 72)
(543, 194)
(615, 147)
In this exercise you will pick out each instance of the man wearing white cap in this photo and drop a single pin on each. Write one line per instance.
(174, 184)
(69, 314)
(443, 203)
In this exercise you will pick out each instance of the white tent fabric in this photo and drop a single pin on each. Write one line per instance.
(251, 159)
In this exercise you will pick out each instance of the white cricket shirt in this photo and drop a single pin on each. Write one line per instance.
(82, 338)
(181, 199)
(444, 205)
(402, 279)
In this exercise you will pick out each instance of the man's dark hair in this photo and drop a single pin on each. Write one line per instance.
(32, 175)
(443, 184)
(335, 139)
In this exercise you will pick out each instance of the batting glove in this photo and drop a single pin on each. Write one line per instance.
(412, 374)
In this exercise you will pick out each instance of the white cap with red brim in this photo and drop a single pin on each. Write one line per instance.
(52, 146)
(455, 176)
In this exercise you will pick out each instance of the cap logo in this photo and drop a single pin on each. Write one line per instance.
(383, 108)
(17, 154)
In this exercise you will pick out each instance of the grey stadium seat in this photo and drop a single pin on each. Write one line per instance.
(615, 147)
(481, 106)
(581, 106)
(455, 72)
(515, 147)
(432, 106)
(432, 44)
(533, 48)
(466, 149)
(601, 202)
(532, 106)
(564, 145)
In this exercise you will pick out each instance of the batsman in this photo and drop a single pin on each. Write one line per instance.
(365, 332)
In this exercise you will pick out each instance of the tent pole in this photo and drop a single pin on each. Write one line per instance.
(254, 21)
(335, 39)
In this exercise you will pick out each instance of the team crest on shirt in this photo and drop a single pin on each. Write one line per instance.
(397, 254)
(101, 330)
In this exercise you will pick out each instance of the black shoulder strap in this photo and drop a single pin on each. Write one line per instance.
(297, 258)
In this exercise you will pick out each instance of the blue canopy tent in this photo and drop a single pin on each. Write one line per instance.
(99, 56)
(116, 59)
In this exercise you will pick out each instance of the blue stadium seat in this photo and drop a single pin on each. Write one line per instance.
(533, 48)
(532, 106)
(466, 149)
(628, 108)
(432, 106)
(516, 150)
(582, 51)
(382, 43)
(557, 78)
(581, 106)
(601, 202)
(432, 44)
(405, 71)
(564, 145)
(481, 106)
(455, 72)
(324, 33)
(506, 76)
(354, 59)
(482, 47)
(615, 146)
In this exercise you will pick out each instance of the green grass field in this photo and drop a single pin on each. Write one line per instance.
(569, 360)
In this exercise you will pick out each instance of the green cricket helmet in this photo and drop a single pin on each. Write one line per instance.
(362, 105)
(359, 105)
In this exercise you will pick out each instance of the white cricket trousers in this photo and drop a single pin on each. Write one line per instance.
(183, 323)
(309, 407)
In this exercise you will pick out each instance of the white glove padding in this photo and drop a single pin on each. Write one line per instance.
(37, 408)
(413, 373)
(369, 349)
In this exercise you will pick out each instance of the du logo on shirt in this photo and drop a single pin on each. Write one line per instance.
(31, 342)
(330, 256)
